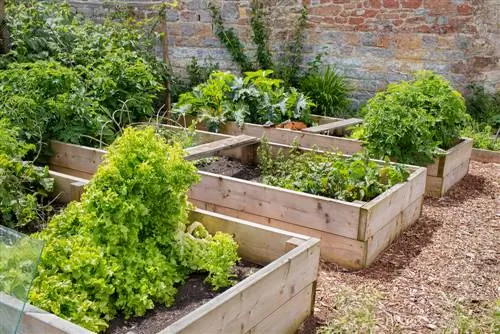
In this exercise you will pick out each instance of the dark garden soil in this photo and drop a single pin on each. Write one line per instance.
(441, 274)
(230, 167)
(190, 296)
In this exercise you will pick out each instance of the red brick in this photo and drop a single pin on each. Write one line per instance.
(331, 10)
(370, 13)
(464, 9)
(391, 3)
(397, 23)
(412, 3)
(374, 4)
(356, 20)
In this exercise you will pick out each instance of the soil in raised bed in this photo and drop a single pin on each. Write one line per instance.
(230, 167)
(190, 296)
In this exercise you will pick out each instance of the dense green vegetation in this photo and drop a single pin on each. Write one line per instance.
(23, 186)
(328, 174)
(411, 119)
(126, 245)
(256, 98)
(484, 108)
(72, 79)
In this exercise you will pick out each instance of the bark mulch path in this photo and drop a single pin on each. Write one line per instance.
(445, 265)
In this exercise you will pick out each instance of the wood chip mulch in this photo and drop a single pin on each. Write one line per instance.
(449, 257)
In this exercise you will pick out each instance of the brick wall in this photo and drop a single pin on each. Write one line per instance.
(372, 42)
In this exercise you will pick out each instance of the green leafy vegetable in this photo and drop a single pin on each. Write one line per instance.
(328, 174)
(125, 246)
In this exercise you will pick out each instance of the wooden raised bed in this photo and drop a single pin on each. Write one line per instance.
(486, 156)
(352, 234)
(447, 170)
(276, 299)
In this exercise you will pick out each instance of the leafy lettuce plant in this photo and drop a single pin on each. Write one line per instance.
(126, 246)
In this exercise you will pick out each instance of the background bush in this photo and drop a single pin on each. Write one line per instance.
(410, 120)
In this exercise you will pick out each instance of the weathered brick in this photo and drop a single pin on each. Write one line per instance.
(464, 9)
(411, 3)
(391, 3)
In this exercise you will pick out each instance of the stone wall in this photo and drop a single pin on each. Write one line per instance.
(372, 42)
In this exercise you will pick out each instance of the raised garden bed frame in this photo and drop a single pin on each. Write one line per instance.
(446, 171)
(352, 234)
(486, 156)
(276, 299)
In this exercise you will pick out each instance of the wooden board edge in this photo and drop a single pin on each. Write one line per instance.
(485, 156)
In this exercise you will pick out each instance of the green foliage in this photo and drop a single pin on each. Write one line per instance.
(18, 263)
(260, 36)
(289, 66)
(484, 107)
(328, 174)
(410, 120)
(230, 40)
(482, 137)
(125, 246)
(23, 186)
(114, 73)
(329, 92)
(48, 101)
(256, 98)
(199, 73)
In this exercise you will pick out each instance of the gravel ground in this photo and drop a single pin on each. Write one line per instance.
(442, 271)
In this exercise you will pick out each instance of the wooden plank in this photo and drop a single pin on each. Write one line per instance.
(346, 252)
(257, 243)
(316, 212)
(434, 186)
(331, 127)
(209, 149)
(80, 158)
(341, 250)
(385, 236)
(287, 137)
(289, 316)
(392, 202)
(457, 156)
(65, 186)
(243, 306)
(72, 172)
(485, 156)
(293, 243)
(323, 119)
(455, 176)
(438, 164)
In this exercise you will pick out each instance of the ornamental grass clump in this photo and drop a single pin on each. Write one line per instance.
(126, 246)
(409, 121)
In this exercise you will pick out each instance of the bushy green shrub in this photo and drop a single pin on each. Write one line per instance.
(48, 101)
(126, 246)
(328, 174)
(23, 185)
(329, 92)
(410, 120)
(256, 98)
(482, 136)
(115, 75)
(484, 107)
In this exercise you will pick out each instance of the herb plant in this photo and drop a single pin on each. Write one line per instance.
(482, 136)
(328, 174)
(409, 120)
(126, 245)
(329, 92)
